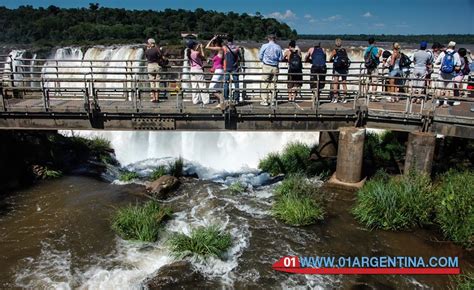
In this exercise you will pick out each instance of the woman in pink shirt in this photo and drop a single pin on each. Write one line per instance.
(216, 44)
(195, 55)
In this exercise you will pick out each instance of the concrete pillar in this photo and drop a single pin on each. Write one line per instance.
(327, 146)
(350, 154)
(420, 151)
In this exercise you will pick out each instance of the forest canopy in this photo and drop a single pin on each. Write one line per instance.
(54, 25)
(444, 39)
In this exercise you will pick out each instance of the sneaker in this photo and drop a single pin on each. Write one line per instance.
(344, 101)
(456, 103)
(264, 103)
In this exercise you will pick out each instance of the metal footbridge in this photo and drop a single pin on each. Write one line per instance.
(50, 94)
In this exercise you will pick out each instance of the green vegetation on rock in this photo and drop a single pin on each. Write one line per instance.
(203, 242)
(237, 187)
(128, 176)
(297, 202)
(140, 222)
(395, 202)
(51, 174)
(455, 206)
(158, 172)
(175, 168)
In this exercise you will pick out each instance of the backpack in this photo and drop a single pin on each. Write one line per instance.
(294, 62)
(405, 61)
(318, 58)
(341, 60)
(466, 70)
(447, 66)
(370, 60)
(231, 60)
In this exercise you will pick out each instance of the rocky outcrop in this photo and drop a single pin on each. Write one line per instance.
(162, 186)
(177, 275)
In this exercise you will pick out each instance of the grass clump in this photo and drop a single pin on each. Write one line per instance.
(272, 164)
(296, 202)
(158, 172)
(176, 168)
(140, 222)
(394, 203)
(203, 241)
(128, 176)
(237, 187)
(293, 159)
(455, 206)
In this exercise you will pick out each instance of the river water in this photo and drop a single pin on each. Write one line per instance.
(57, 234)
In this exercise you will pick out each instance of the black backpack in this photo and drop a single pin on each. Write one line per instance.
(341, 60)
(405, 61)
(294, 62)
(370, 60)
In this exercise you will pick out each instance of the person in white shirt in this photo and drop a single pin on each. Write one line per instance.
(446, 77)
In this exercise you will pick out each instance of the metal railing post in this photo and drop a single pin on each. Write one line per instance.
(45, 95)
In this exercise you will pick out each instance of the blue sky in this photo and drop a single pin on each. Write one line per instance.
(320, 17)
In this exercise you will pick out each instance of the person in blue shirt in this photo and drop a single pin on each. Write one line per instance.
(373, 72)
(270, 55)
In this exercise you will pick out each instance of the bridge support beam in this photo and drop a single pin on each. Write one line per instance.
(420, 152)
(350, 154)
(350, 157)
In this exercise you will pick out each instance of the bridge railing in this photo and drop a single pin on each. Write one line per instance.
(129, 83)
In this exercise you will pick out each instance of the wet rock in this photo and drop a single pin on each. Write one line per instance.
(178, 275)
(162, 186)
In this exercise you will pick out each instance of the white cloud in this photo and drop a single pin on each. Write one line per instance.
(333, 18)
(367, 14)
(379, 25)
(288, 14)
(308, 16)
(312, 20)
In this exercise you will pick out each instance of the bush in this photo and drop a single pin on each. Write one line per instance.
(384, 150)
(140, 222)
(128, 176)
(176, 167)
(203, 241)
(455, 206)
(293, 159)
(297, 202)
(237, 187)
(464, 282)
(394, 203)
(158, 172)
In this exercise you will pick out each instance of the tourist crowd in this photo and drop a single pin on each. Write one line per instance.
(385, 70)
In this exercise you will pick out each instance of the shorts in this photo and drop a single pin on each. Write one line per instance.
(153, 70)
(373, 71)
(340, 73)
(295, 81)
(395, 73)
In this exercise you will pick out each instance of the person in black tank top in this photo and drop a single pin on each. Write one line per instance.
(295, 70)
